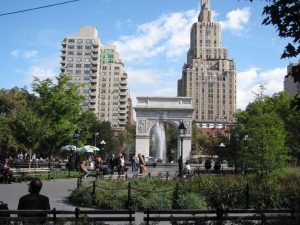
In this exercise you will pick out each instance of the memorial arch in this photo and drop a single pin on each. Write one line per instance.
(153, 110)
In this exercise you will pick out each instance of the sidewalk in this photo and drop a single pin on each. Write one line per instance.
(57, 191)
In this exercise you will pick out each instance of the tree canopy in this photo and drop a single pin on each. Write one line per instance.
(285, 16)
(45, 119)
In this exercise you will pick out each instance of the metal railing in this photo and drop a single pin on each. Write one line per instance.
(58, 216)
(218, 216)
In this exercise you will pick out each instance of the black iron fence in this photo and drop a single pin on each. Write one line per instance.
(217, 216)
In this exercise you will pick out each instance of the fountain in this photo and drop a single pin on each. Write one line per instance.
(159, 139)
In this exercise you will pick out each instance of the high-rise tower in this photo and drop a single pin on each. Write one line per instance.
(100, 72)
(209, 76)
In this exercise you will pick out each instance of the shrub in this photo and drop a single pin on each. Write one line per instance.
(82, 196)
(191, 201)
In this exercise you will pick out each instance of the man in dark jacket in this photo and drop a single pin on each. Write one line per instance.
(34, 201)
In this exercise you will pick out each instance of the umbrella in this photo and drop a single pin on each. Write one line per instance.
(68, 148)
(88, 148)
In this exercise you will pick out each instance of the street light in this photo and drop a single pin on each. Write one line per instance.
(102, 144)
(236, 137)
(96, 135)
(221, 151)
(181, 132)
(76, 136)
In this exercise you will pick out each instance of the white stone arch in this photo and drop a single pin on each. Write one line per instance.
(171, 110)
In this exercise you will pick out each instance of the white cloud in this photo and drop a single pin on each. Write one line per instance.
(236, 20)
(25, 54)
(41, 68)
(151, 82)
(168, 34)
(30, 54)
(248, 81)
(15, 53)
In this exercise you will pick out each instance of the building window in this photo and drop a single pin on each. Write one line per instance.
(87, 47)
(78, 65)
(70, 53)
(71, 47)
(79, 53)
(71, 40)
(78, 72)
(79, 47)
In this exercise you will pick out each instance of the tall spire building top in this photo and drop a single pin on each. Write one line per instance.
(205, 13)
(209, 76)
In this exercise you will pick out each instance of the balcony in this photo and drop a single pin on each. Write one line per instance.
(123, 82)
(94, 62)
(123, 100)
(94, 67)
(92, 107)
(93, 80)
(95, 44)
(94, 76)
(94, 56)
(93, 93)
(123, 94)
(122, 118)
(93, 87)
(92, 101)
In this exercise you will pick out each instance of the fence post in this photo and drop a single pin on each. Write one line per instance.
(220, 214)
(247, 196)
(78, 182)
(77, 212)
(94, 192)
(148, 219)
(129, 196)
(54, 215)
(175, 197)
(149, 175)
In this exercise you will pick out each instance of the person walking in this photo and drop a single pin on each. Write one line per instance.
(133, 164)
(141, 163)
(112, 163)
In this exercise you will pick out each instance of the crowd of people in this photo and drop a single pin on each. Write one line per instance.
(111, 165)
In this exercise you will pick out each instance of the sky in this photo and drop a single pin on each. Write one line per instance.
(152, 38)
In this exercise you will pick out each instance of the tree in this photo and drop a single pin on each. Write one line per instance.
(285, 16)
(60, 105)
(262, 137)
(105, 132)
(128, 139)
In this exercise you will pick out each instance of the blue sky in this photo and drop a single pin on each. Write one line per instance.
(151, 36)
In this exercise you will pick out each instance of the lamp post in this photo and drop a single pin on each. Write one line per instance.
(236, 137)
(96, 135)
(221, 151)
(76, 136)
(181, 132)
(102, 144)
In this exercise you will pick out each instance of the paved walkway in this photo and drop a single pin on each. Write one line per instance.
(57, 191)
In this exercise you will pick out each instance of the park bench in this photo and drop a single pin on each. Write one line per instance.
(23, 174)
